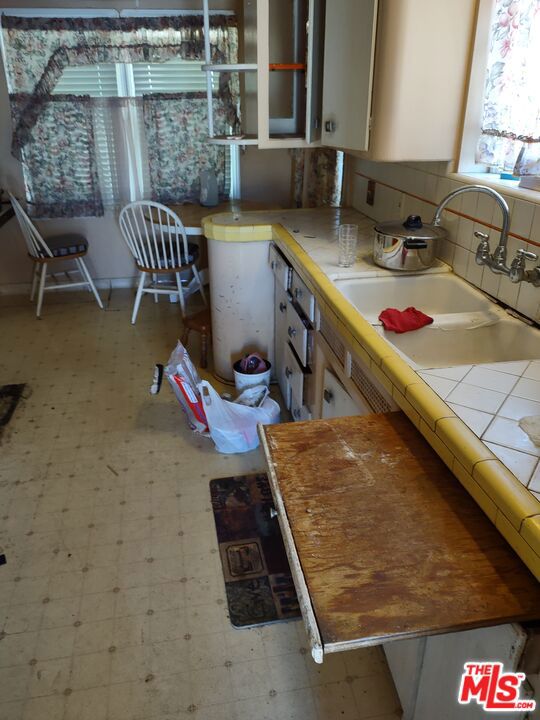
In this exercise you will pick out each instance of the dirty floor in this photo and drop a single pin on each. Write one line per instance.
(112, 602)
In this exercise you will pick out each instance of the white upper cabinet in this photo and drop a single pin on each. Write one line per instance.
(395, 76)
(289, 72)
(421, 73)
(349, 49)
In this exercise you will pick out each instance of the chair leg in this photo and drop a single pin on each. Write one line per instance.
(181, 298)
(204, 350)
(41, 289)
(89, 280)
(35, 273)
(138, 297)
(201, 287)
(154, 280)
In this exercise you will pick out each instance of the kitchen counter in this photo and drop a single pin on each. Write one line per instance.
(308, 239)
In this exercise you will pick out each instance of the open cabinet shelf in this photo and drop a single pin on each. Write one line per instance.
(281, 93)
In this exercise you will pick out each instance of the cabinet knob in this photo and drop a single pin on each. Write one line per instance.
(273, 512)
(282, 306)
(288, 372)
(329, 126)
(297, 293)
(328, 395)
(291, 331)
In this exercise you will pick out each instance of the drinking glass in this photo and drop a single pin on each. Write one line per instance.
(348, 242)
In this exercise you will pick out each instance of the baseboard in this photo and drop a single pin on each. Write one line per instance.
(101, 284)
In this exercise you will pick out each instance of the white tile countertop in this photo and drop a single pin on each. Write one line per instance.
(491, 399)
(316, 231)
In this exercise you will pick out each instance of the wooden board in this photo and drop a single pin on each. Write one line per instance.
(388, 542)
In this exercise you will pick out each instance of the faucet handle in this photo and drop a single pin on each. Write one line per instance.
(481, 235)
(482, 251)
(526, 255)
(517, 268)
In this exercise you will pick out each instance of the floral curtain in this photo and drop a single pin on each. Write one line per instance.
(37, 51)
(60, 159)
(510, 138)
(176, 130)
(317, 177)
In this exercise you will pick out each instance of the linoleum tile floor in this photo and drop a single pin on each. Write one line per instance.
(112, 601)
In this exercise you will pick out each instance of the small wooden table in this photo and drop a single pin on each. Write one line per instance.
(192, 214)
(384, 543)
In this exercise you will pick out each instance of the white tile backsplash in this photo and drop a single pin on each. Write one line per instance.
(430, 182)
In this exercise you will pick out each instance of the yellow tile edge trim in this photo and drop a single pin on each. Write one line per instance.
(520, 545)
(530, 531)
(499, 493)
(510, 496)
(237, 233)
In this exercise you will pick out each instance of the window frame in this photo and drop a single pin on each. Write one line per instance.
(466, 168)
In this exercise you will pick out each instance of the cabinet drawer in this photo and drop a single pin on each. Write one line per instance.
(295, 375)
(302, 295)
(298, 335)
(281, 343)
(280, 267)
(299, 412)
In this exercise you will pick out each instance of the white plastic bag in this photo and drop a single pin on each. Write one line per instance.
(233, 427)
(184, 379)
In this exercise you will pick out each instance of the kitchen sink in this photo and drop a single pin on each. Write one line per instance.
(434, 346)
(433, 294)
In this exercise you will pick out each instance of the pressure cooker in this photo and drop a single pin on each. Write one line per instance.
(407, 246)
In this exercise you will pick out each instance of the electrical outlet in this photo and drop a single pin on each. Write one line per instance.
(370, 192)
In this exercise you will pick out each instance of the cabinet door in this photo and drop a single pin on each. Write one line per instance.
(349, 48)
(315, 40)
(336, 400)
(281, 302)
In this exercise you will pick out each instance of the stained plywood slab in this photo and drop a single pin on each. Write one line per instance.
(389, 543)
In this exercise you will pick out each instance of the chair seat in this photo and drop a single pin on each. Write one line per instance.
(66, 244)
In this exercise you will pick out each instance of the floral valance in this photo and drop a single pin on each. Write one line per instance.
(510, 138)
(38, 50)
(31, 43)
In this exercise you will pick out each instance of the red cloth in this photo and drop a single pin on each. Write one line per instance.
(401, 321)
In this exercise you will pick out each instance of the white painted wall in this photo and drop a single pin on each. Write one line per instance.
(265, 174)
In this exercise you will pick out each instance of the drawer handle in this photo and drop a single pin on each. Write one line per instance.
(273, 264)
(288, 372)
(292, 332)
(328, 395)
(298, 293)
(273, 512)
(282, 306)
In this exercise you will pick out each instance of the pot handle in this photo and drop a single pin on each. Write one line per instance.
(413, 244)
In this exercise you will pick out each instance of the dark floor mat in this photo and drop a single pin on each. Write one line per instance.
(258, 579)
(9, 399)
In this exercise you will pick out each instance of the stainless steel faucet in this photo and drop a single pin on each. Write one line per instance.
(496, 261)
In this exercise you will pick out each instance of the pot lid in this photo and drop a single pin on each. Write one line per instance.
(413, 227)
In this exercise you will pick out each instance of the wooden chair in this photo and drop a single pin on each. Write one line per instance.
(201, 323)
(158, 242)
(50, 252)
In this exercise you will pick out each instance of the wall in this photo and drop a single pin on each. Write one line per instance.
(265, 174)
(416, 188)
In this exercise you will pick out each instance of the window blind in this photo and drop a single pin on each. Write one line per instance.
(137, 79)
